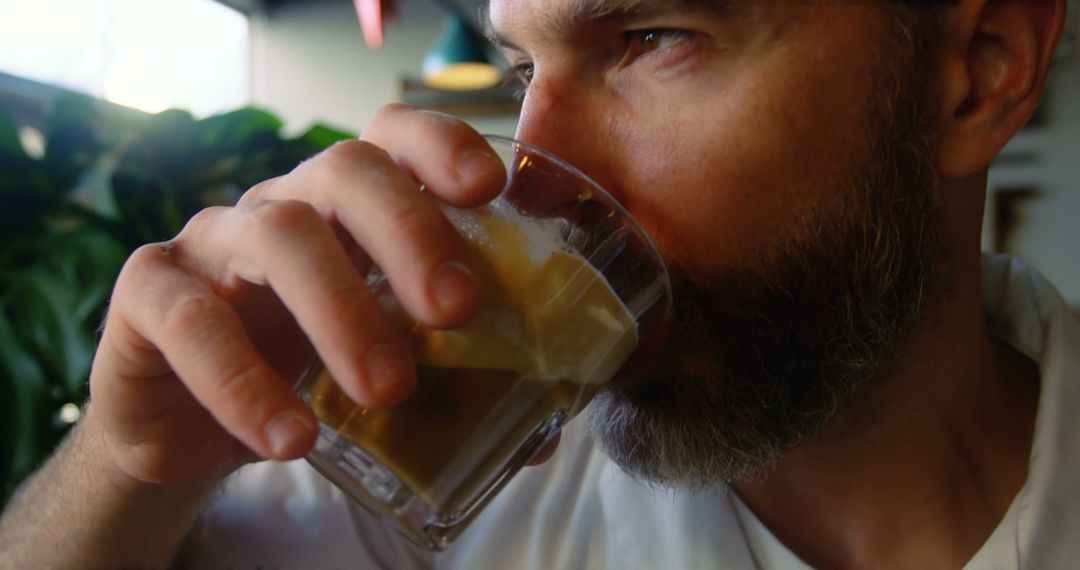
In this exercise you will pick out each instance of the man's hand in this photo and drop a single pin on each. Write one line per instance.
(207, 333)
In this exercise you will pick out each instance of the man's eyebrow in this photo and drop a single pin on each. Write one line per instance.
(580, 13)
(494, 37)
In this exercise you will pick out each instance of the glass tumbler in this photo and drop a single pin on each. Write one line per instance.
(571, 285)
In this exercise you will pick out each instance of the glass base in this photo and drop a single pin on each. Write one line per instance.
(380, 491)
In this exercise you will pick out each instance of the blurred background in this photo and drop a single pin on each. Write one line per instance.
(121, 118)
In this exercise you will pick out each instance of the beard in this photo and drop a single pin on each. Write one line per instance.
(761, 356)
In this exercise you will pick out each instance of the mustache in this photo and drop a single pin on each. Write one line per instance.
(764, 353)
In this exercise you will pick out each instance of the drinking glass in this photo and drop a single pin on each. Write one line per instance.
(571, 286)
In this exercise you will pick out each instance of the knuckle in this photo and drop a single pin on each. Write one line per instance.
(139, 270)
(347, 299)
(289, 217)
(190, 314)
(260, 189)
(390, 112)
(426, 227)
(347, 155)
(149, 255)
(447, 130)
(450, 124)
(390, 118)
(201, 221)
(240, 384)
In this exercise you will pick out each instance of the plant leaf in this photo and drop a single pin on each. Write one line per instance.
(232, 131)
(34, 434)
(72, 143)
(11, 148)
(322, 136)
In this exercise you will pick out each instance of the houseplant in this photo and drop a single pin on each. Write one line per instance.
(109, 180)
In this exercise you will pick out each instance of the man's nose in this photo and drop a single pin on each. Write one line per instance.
(557, 116)
(569, 123)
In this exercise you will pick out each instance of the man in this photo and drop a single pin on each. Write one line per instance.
(813, 172)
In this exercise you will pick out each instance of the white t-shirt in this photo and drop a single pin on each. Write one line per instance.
(580, 511)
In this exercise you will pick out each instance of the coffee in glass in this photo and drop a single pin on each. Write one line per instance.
(569, 281)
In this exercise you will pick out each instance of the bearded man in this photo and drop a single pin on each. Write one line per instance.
(848, 382)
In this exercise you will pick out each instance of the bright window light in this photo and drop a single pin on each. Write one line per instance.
(148, 54)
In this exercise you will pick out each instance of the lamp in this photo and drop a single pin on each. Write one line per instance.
(458, 60)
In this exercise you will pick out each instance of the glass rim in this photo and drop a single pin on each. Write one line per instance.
(635, 227)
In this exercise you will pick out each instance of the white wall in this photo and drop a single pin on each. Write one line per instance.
(310, 64)
(1048, 235)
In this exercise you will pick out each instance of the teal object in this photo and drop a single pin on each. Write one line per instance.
(458, 60)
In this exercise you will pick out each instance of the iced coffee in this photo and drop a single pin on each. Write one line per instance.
(554, 328)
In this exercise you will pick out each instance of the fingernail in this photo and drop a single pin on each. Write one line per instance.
(388, 367)
(287, 430)
(454, 286)
(475, 164)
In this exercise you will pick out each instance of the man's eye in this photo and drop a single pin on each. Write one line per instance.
(524, 72)
(640, 42)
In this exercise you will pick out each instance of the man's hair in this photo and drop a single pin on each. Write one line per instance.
(1064, 55)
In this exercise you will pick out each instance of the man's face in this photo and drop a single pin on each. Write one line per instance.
(774, 151)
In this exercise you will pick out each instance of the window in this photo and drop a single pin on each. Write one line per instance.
(146, 54)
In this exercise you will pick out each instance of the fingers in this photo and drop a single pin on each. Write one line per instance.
(447, 155)
(288, 245)
(310, 236)
(372, 191)
(402, 229)
(206, 344)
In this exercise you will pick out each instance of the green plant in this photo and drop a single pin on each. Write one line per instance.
(109, 181)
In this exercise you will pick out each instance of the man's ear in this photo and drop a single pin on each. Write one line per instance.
(995, 58)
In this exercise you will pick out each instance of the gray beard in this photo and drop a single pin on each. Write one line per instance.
(762, 356)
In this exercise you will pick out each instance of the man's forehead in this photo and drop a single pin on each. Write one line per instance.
(512, 16)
